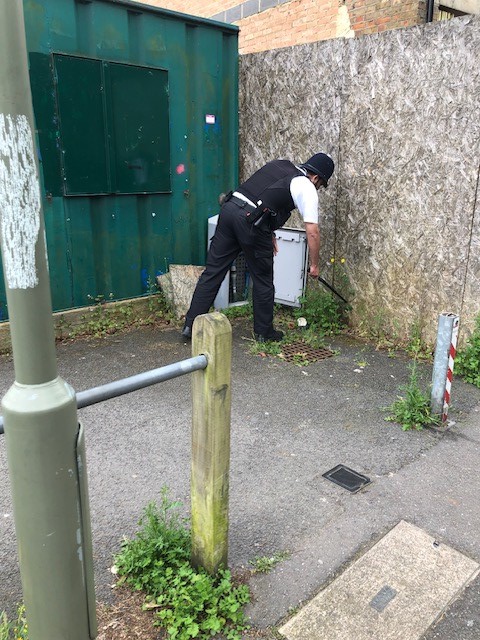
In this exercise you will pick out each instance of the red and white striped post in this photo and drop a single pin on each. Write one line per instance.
(451, 358)
(445, 352)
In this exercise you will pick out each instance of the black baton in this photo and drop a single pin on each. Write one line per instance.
(331, 289)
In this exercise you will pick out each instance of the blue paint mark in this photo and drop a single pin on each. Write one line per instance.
(144, 278)
(208, 128)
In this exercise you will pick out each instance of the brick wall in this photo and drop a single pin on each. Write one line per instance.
(203, 8)
(272, 24)
(372, 16)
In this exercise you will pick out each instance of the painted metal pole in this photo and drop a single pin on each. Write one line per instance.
(212, 336)
(44, 442)
(445, 351)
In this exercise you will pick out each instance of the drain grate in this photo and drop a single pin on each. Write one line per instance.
(304, 353)
(347, 478)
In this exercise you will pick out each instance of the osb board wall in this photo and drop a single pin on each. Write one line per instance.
(290, 106)
(400, 114)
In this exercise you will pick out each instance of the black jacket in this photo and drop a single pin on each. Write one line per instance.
(271, 185)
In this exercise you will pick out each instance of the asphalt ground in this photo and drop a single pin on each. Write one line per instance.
(290, 424)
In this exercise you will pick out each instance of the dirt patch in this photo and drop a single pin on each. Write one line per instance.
(125, 620)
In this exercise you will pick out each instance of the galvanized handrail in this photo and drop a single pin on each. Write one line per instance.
(136, 382)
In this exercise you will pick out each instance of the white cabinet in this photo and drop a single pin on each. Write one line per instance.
(290, 266)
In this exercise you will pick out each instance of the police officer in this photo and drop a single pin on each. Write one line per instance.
(248, 217)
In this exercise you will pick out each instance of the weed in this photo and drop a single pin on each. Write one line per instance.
(375, 328)
(467, 363)
(63, 328)
(190, 603)
(308, 336)
(300, 359)
(412, 410)
(264, 564)
(239, 311)
(15, 629)
(5, 627)
(321, 311)
(339, 277)
(105, 319)
(265, 348)
(386, 334)
(415, 346)
(314, 338)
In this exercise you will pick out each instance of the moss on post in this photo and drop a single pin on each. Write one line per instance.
(212, 336)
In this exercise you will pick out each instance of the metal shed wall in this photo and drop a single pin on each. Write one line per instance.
(115, 245)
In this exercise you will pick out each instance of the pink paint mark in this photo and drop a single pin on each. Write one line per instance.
(180, 169)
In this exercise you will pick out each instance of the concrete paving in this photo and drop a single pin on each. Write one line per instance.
(395, 591)
(290, 425)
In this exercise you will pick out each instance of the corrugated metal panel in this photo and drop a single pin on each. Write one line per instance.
(103, 245)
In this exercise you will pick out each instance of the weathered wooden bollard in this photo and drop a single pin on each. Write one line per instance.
(212, 337)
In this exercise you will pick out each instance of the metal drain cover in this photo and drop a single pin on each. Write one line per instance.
(347, 478)
(303, 352)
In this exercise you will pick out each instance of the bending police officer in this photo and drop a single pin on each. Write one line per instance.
(248, 217)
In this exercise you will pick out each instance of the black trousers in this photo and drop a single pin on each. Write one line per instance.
(232, 235)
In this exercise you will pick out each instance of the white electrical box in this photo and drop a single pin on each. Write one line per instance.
(290, 266)
(289, 271)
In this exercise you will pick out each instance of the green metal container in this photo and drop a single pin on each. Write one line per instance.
(136, 112)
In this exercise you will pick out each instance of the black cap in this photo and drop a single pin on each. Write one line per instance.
(321, 164)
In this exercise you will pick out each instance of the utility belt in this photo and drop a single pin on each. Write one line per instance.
(260, 217)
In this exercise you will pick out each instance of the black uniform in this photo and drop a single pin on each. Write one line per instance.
(268, 191)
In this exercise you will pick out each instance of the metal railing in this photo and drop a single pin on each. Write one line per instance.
(136, 382)
(140, 381)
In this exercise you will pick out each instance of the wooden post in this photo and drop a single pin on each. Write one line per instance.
(212, 337)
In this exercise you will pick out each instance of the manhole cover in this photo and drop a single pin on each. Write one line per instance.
(303, 353)
(347, 478)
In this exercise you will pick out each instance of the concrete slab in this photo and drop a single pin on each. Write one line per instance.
(394, 591)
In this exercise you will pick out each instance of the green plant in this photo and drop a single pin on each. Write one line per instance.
(101, 320)
(415, 346)
(412, 410)
(265, 348)
(239, 311)
(264, 564)
(467, 362)
(162, 541)
(312, 337)
(321, 311)
(4, 627)
(376, 329)
(197, 605)
(300, 359)
(15, 629)
(63, 328)
(105, 319)
(190, 603)
(159, 308)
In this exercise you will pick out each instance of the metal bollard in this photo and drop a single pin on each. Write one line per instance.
(445, 352)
